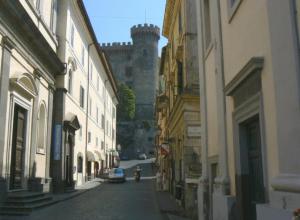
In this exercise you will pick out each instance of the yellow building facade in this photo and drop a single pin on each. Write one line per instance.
(178, 105)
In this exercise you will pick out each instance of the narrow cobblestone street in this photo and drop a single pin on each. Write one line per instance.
(127, 201)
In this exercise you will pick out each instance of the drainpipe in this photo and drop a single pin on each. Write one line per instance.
(105, 150)
(87, 110)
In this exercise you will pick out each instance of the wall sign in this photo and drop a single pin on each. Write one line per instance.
(193, 131)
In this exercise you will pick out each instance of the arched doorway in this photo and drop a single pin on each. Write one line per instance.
(96, 169)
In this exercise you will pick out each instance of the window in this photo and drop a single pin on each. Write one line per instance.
(89, 137)
(232, 7)
(81, 97)
(106, 128)
(79, 164)
(70, 81)
(90, 109)
(72, 35)
(103, 92)
(102, 145)
(179, 78)
(97, 115)
(128, 71)
(91, 76)
(207, 23)
(39, 6)
(102, 121)
(53, 16)
(42, 129)
(145, 52)
(82, 55)
(80, 132)
(114, 112)
(179, 21)
(97, 141)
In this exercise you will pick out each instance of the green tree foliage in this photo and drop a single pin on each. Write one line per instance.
(126, 108)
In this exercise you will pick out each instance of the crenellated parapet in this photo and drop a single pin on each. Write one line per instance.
(124, 46)
(145, 29)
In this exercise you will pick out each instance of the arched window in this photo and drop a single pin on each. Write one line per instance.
(42, 127)
(70, 81)
(79, 164)
(54, 16)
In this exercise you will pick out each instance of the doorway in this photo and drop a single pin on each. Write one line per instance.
(89, 170)
(252, 181)
(18, 148)
(69, 162)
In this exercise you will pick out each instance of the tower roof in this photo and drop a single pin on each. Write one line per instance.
(145, 29)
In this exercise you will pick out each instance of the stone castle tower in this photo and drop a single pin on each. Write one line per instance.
(136, 65)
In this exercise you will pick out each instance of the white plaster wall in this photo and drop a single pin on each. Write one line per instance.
(42, 21)
(80, 77)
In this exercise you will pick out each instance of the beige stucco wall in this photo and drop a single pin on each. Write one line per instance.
(247, 35)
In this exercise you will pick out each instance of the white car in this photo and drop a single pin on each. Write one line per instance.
(116, 175)
(142, 157)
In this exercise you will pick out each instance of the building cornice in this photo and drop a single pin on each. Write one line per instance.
(19, 23)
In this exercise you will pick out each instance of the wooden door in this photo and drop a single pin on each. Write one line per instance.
(255, 168)
(18, 148)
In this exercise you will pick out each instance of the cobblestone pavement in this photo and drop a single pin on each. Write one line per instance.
(124, 201)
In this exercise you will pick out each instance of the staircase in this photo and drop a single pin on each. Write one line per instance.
(23, 203)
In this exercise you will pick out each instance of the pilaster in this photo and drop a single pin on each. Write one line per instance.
(51, 90)
(7, 47)
(35, 112)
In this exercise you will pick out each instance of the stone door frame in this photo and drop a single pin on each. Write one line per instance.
(17, 99)
(249, 109)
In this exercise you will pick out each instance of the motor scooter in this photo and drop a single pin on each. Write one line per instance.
(137, 176)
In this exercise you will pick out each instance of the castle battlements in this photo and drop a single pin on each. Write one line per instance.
(116, 46)
(145, 29)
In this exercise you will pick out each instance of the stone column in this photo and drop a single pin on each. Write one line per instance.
(51, 90)
(203, 191)
(7, 46)
(57, 152)
(221, 184)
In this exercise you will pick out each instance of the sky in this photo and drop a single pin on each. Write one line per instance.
(112, 19)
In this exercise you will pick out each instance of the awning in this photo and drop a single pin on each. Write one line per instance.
(90, 156)
(99, 156)
(115, 153)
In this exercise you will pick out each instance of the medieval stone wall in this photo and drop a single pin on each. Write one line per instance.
(136, 65)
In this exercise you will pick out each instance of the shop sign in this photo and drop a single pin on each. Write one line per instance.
(194, 131)
(165, 149)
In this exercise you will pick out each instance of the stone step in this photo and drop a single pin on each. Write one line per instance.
(25, 195)
(25, 208)
(27, 201)
(13, 213)
(23, 203)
